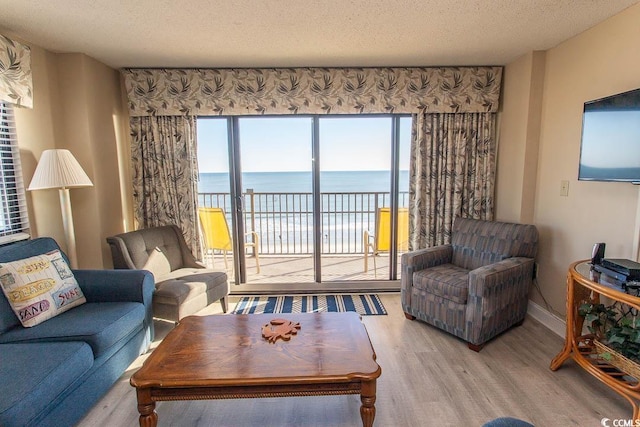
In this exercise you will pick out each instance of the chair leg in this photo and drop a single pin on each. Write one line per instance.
(255, 245)
(257, 264)
(409, 316)
(365, 244)
(208, 258)
(226, 263)
(223, 303)
(475, 347)
(375, 265)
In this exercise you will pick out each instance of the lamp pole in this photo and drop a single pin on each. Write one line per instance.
(58, 169)
(67, 223)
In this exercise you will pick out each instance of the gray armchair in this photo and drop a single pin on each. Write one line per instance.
(477, 286)
(183, 285)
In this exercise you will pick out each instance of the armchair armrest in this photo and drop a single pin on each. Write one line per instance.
(419, 260)
(426, 258)
(120, 253)
(120, 285)
(116, 285)
(498, 297)
(484, 280)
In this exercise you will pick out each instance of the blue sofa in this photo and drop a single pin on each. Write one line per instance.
(53, 373)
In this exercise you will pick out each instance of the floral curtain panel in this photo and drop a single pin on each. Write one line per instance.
(452, 173)
(453, 142)
(205, 92)
(15, 73)
(165, 174)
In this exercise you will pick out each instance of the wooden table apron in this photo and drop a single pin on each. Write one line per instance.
(581, 289)
(225, 357)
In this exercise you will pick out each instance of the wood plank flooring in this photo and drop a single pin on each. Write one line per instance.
(429, 378)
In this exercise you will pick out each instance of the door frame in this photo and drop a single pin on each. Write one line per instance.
(237, 208)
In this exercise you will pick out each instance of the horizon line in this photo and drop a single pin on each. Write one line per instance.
(308, 171)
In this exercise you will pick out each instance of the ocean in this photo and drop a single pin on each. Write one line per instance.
(300, 182)
(280, 209)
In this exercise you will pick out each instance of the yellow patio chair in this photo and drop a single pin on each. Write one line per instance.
(217, 236)
(380, 241)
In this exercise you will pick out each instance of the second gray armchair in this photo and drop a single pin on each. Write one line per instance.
(477, 286)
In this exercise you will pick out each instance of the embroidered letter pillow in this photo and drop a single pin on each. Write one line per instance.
(40, 287)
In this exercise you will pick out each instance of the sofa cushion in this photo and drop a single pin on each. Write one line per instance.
(101, 325)
(446, 280)
(158, 263)
(33, 375)
(40, 287)
(186, 283)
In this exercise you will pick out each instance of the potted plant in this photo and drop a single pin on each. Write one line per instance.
(618, 330)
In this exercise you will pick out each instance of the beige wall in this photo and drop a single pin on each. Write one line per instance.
(599, 62)
(519, 138)
(36, 129)
(78, 106)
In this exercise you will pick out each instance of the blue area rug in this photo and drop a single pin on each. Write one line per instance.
(364, 304)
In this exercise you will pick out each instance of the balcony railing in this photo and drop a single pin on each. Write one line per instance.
(284, 221)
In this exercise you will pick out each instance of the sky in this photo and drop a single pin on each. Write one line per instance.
(611, 139)
(283, 144)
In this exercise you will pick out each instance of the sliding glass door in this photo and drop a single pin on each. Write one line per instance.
(354, 181)
(214, 193)
(275, 162)
(308, 199)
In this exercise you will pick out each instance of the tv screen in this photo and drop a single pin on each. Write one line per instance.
(610, 149)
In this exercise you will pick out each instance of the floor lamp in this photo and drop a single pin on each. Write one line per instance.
(59, 169)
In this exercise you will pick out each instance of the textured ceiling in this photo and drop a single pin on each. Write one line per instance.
(281, 33)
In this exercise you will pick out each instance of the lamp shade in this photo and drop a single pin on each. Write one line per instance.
(58, 169)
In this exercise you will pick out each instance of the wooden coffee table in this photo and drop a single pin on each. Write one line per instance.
(226, 357)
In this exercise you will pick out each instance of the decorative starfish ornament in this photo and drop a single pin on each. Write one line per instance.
(279, 328)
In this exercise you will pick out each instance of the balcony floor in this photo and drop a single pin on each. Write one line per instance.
(278, 269)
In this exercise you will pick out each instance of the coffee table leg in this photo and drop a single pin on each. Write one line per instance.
(368, 399)
(146, 408)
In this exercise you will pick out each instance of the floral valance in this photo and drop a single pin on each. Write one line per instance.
(15, 73)
(240, 91)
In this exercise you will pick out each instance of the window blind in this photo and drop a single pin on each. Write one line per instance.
(14, 220)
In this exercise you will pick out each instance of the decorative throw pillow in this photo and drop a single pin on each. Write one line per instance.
(40, 287)
(157, 263)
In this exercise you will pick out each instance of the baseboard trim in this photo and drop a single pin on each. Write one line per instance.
(548, 319)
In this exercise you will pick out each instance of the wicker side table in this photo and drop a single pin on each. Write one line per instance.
(585, 285)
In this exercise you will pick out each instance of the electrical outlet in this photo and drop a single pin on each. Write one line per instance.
(564, 188)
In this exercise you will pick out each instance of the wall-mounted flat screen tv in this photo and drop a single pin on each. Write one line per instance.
(610, 149)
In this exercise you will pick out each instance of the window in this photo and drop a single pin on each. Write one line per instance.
(14, 222)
